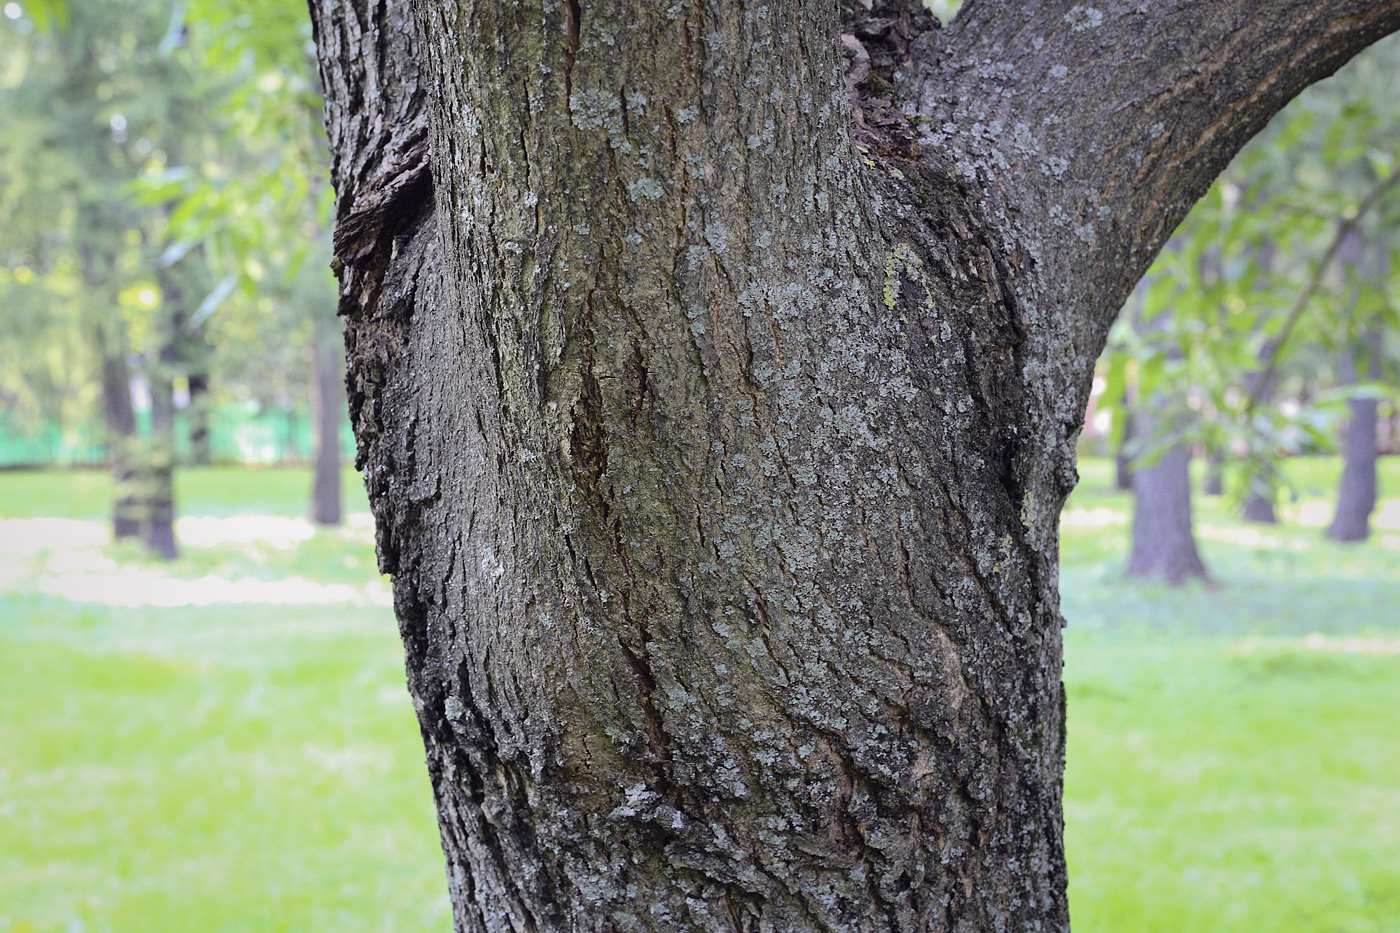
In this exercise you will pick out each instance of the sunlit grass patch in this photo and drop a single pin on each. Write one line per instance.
(204, 769)
(1233, 754)
(1247, 786)
(1234, 748)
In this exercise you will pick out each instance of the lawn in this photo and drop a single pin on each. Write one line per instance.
(1234, 749)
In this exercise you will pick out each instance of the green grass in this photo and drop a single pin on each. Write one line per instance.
(257, 767)
(198, 491)
(225, 767)
(211, 770)
(1225, 771)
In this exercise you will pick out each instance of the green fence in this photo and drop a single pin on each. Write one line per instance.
(236, 435)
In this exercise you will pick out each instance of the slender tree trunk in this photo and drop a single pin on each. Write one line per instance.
(158, 462)
(1122, 459)
(328, 409)
(1213, 482)
(201, 449)
(158, 471)
(1263, 485)
(119, 418)
(1259, 503)
(1356, 494)
(717, 416)
(1163, 538)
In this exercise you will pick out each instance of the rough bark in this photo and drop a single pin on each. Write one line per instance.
(716, 429)
(327, 406)
(1356, 493)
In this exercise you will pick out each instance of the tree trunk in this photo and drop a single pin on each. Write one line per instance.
(119, 419)
(201, 449)
(1163, 539)
(1263, 493)
(119, 416)
(328, 357)
(1213, 482)
(1260, 498)
(1356, 493)
(158, 471)
(158, 460)
(1259, 503)
(1122, 459)
(716, 432)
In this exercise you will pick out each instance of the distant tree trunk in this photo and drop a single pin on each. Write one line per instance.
(1356, 494)
(119, 416)
(201, 449)
(158, 462)
(1260, 498)
(120, 420)
(1259, 502)
(1213, 482)
(328, 409)
(1122, 459)
(1163, 539)
(158, 471)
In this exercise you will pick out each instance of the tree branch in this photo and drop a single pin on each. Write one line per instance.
(1091, 128)
(1295, 313)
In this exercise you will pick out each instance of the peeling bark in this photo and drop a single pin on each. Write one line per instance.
(717, 400)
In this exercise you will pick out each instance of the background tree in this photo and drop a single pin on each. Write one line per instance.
(1364, 360)
(87, 104)
(273, 113)
(173, 175)
(1243, 306)
(1163, 538)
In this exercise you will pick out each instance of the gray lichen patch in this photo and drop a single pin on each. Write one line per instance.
(648, 188)
(1081, 18)
(596, 108)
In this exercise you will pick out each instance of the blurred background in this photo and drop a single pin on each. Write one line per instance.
(203, 720)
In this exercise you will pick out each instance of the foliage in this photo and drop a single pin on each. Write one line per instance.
(1256, 296)
(162, 199)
